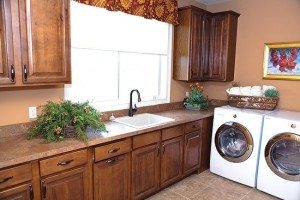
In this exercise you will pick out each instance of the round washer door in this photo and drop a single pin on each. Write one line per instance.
(234, 142)
(282, 155)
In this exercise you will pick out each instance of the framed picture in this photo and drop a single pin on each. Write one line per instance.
(282, 61)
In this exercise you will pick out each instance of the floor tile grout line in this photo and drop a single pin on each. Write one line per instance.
(247, 193)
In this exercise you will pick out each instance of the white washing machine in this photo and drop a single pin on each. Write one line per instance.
(279, 164)
(235, 143)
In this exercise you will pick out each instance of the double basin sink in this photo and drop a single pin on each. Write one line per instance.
(144, 120)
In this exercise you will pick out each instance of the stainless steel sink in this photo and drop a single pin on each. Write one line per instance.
(144, 120)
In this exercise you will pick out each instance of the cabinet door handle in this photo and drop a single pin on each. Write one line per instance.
(64, 162)
(111, 161)
(25, 73)
(157, 150)
(31, 194)
(5, 179)
(44, 190)
(163, 148)
(12, 73)
(114, 150)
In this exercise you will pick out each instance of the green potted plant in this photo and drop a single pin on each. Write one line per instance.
(65, 119)
(196, 100)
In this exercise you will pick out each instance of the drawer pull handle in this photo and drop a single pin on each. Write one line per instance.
(111, 161)
(64, 162)
(5, 179)
(293, 126)
(114, 150)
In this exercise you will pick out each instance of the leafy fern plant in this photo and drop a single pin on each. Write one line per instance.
(56, 117)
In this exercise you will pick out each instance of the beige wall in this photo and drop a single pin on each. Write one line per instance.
(14, 103)
(261, 22)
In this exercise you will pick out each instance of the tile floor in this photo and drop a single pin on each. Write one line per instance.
(208, 186)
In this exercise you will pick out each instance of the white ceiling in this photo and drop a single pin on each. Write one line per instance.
(210, 2)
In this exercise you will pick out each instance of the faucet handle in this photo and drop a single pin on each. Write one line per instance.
(135, 108)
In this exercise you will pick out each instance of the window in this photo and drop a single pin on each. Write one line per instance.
(113, 53)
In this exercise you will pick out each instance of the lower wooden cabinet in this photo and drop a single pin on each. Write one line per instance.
(69, 185)
(145, 171)
(22, 192)
(192, 152)
(112, 178)
(171, 161)
(206, 143)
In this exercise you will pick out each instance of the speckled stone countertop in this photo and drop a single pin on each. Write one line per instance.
(17, 149)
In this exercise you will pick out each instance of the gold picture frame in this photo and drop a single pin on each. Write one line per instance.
(282, 61)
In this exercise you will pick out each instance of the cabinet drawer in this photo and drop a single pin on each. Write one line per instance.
(193, 126)
(113, 149)
(172, 132)
(15, 175)
(63, 162)
(146, 139)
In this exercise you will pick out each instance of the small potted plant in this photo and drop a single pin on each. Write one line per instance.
(65, 119)
(196, 100)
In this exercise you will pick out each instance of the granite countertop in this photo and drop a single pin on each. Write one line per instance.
(17, 149)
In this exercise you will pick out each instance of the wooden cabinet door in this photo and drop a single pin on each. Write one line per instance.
(112, 178)
(70, 185)
(171, 160)
(195, 45)
(7, 70)
(206, 143)
(192, 152)
(145, 171)
(206, 46)
(219, 48)
(45, 41)
(22, 192)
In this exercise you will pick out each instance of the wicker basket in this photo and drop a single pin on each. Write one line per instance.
(251, 102)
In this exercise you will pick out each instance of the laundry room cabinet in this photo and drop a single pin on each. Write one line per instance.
(40, 53)
(205, 44)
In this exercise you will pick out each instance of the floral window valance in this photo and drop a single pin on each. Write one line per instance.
(162, 10)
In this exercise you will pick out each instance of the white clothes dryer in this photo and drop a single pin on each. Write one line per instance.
(235, 143)
(279, 165)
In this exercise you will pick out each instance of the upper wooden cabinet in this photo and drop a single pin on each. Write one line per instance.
(223, 45)
(45, 41)
(7, 69)
(204, 46)
(42, 42)
(188, 44)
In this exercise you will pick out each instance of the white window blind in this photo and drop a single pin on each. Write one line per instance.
(113, 53)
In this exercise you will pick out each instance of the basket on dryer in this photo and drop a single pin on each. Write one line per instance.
(253, 102)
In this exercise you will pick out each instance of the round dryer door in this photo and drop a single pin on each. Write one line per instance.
(234, 142)
(282, 155)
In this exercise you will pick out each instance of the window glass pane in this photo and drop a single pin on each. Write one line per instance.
(94, 76)
(122, 32)
(139, 71)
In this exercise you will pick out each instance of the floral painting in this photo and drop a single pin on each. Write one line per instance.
(282, 61)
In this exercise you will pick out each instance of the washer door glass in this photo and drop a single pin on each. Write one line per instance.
(284, 156)
(234, 142)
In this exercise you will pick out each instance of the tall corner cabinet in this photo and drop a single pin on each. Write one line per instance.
(204, 45)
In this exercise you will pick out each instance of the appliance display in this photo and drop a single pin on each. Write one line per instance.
(279, 165)
(235, 143)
